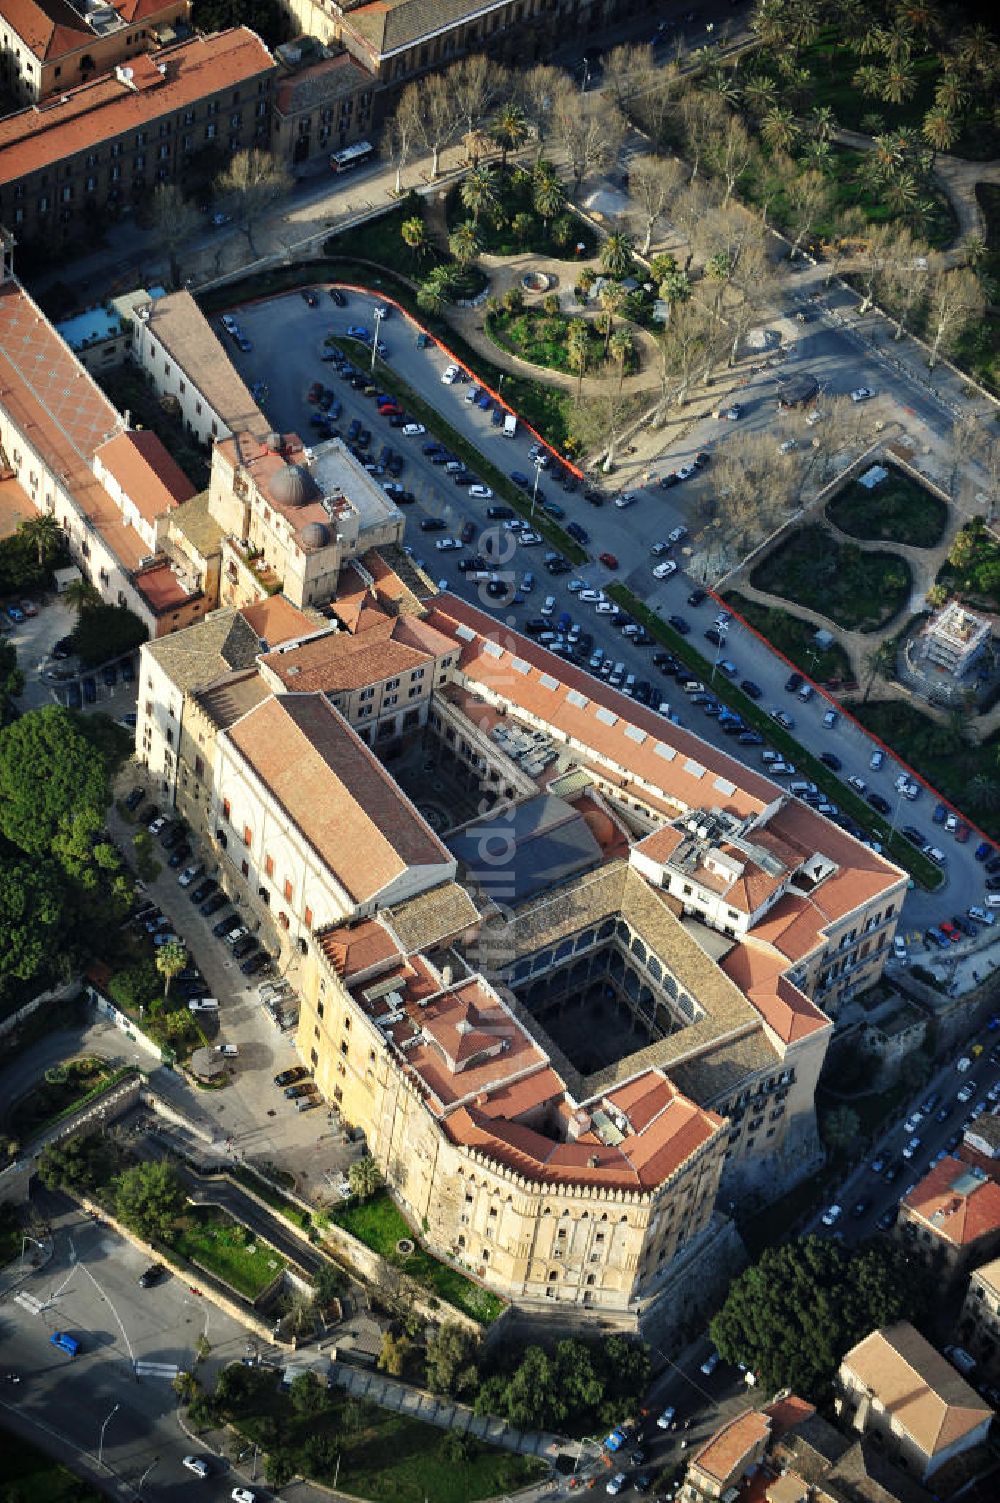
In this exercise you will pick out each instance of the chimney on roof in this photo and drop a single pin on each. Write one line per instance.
(593, 1161)
(463, 1026)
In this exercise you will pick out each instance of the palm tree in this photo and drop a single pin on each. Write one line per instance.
(780, 129)
(822, 123)
(940, 129)
(46, 534)
(464, 243)
(510, 130)
(80, 594)
(171, 959)
(613, 297)
(898, 82)
(479, 191)
(548, 194)
(818, 155)
(675, 287)
(868, 78)
(578, 351)
(620, 348)
(879, 663)
(951, 93)
(760, 94)
(436, 289)
(414, 233)
(617, 255)
(722, 81)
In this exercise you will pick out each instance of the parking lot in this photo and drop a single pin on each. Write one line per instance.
(251, 1115)
(51, 679)
(289, 333)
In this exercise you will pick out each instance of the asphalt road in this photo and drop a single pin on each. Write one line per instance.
(288, 335)
(90, 1289)
(938, 1129)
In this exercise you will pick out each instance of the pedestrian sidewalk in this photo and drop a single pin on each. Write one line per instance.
(448, 1415)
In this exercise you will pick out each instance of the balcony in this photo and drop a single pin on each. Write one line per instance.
(254, 563)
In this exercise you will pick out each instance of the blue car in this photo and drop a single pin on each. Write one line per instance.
(15, 613)
(984, 851)
(940, 814)
(358, 331)
(485, 401)
(520, 479)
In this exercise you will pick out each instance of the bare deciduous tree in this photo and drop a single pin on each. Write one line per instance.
(252, 182)
(477, 85)
(176, 221)
(955, 299)
(627, 70)
(537, 89)
(589, 130)
(435, 114)
(654, 183)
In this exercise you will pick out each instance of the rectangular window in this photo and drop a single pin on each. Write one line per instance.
(288, 891)
(226, 809)
(308, 916)
(269, 866)
(247, 835)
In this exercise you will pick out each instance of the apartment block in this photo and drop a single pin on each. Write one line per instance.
(50, 46)
(105, 146)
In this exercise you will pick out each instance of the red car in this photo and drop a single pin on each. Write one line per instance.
(315, 392)
(608, 560)
(950, 930)
(961, 834)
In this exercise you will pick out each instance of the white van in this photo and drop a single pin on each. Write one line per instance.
(992, 900)
(204, 1004)
(509, 425)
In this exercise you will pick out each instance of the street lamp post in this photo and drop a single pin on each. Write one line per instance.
(100, 1448)
(378, 325)
(138, 1486)
(534, 488)
(722, 631)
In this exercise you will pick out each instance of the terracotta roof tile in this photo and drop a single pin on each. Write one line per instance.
(359, 948)
(276, 620)
(787, 1011)
(920, 1390)
(47, 31)
(733, 1447)
(337, 793)
(955, 1203)
(148, 476)
(161, 589)
(97, 112)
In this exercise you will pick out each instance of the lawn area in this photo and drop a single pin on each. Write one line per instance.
(541, 338)
(381, 1455)
(28, 1473)
(858, 591)
(900, 510)
(211, 1239)
(795, 638)
(756, 716)
(70, 1086)
(380, 1225)
(948, 762)
(515, 227)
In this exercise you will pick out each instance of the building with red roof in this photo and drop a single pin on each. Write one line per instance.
(951, 1219)
(50, 46)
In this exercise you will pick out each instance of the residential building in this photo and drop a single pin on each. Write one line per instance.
(895, 1385)
(322, 103)
(51, 46)
(979, 1324)
(951, 1219)
(106, 145)
(101, 337)
(802, 1459)
(955, 639)
(292, 516)
(110, 487)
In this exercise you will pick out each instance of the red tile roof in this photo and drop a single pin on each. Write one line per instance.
(276, 620)
(337, 793)
(161, 589)
(955, 1204)
(95, 113)
(758, 973)
(48, 31)
(147, 474)
(733, 1447)
(922, 1394)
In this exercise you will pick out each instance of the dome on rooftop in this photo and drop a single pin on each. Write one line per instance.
(315, 535)
(293, 486)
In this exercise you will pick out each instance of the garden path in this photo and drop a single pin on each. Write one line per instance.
(957, 176)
